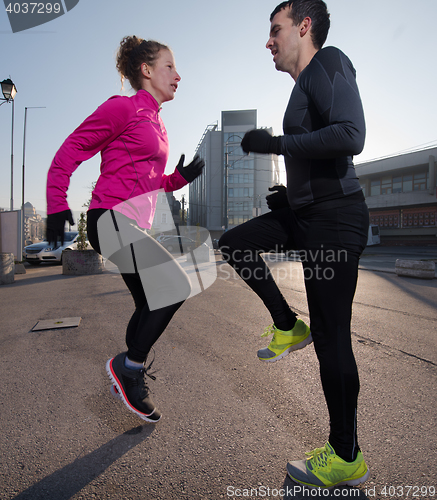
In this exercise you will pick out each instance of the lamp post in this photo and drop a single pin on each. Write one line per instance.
(24, 161)
(9, 90)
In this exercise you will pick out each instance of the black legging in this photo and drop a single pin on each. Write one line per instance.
(330, 242)
(145, 326)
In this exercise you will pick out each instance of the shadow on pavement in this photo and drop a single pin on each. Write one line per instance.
(37, 280)
(403, 281)
(294, 491)
(66, 482)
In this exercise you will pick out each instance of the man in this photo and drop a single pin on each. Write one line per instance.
(323, 214)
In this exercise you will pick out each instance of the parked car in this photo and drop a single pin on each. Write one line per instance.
(43, 252)
(173, 244)
(163, 237)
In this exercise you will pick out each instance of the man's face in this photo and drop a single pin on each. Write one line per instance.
(284, 41)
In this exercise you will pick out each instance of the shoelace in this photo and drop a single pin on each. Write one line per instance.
(146, 369)
(141, 379)
(145, 372)
(268, 331)
(319, 456)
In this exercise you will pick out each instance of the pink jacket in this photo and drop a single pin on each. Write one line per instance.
(129, 133)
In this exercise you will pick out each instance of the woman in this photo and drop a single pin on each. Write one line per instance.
(132, 140)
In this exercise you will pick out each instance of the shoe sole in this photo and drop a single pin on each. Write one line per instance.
(347, 482)
(296, 347)
(114, 392)
(117, 388)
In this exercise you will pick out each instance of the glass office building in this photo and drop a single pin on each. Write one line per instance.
(234, 185)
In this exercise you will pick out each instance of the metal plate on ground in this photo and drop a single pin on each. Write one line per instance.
(54, 324)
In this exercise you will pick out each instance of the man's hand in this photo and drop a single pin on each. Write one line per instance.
(55, 226)
(278, 199)
(260, 141)
(191, 171)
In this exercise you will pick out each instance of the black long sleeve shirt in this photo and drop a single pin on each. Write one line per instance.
(324, 128)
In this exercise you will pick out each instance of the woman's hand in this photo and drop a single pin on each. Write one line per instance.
(56, 224)
(191, 171)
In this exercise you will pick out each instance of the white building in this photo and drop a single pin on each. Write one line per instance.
(167, 214)
(34, 228)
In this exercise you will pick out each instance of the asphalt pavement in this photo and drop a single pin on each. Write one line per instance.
(230, 423)
(380, 258)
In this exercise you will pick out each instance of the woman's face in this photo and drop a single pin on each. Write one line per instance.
(162, 79)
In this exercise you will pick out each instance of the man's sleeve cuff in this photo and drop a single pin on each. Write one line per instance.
(276, 145)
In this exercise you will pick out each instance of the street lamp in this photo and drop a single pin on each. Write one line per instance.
(24, 159)
(9, 90)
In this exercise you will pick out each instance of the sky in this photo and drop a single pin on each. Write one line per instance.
(65, 69)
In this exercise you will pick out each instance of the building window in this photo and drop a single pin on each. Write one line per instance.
(386, 187)
(240, 192)
(240, 178)
(419, 183)
(163, 218)
(407, 184)
(375, 188)
(397, 184)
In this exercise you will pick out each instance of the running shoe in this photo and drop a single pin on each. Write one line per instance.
(131, 387)
(284, 342)
(325, 469)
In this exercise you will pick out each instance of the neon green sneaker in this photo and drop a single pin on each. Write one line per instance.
(284, 342)
(325, 469)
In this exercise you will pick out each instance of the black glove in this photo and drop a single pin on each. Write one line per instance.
(55, 226)
(191, 171)
(278, 199)
(260, 141)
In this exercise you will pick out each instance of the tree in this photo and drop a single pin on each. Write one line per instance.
(81, 225)
(82, 236)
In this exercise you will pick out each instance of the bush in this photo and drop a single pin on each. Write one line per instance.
(81, 228)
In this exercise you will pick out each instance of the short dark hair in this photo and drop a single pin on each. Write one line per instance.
(316, 10)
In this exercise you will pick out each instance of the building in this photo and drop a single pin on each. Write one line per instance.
(401, 194)
(34, 228)
(167, 214)
(234, 185)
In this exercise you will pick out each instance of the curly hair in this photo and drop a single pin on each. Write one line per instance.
(133, 52)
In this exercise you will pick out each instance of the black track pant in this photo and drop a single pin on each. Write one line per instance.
(330, 242)
(145, 326)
